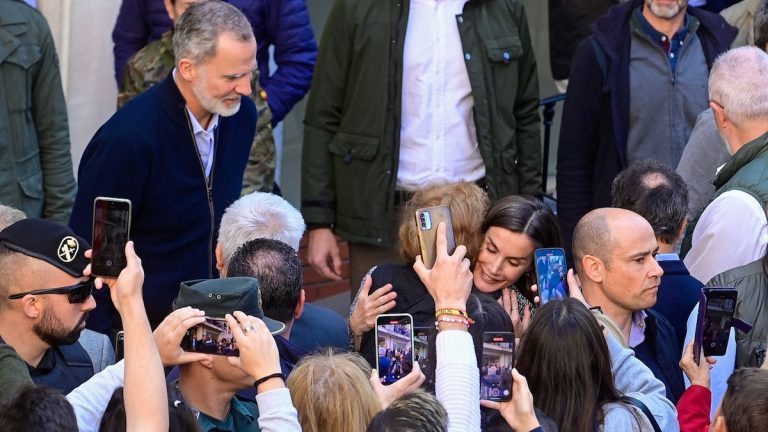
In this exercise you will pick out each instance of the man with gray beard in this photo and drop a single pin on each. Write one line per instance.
(45, 300)
(637, 85)
(177, 152)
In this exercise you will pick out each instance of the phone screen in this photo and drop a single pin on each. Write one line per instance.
(394, 337)
(496, 368)
(111, 227)
(551, 270)
(717, 321)
(211, 337)
(421, 345)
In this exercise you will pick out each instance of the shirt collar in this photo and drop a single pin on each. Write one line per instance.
(667, 257)
(637, 328)
(657, 36)
(236, 409)
(196, 126)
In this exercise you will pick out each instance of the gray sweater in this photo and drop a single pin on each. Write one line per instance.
(634, 379)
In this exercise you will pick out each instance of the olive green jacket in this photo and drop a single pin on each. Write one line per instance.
(751, 282)
(352, 124)
(36, 165)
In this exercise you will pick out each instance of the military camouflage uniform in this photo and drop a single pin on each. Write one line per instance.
(155, 61)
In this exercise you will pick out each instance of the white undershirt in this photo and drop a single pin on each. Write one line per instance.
(438, 142)
(732, 231)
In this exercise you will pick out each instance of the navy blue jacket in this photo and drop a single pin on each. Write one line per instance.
(146, 153)
(595, 124)
(283, 24)
(320, 327)
(659, 351)
(678, 295)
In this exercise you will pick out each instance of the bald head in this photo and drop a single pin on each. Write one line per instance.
(594, 234)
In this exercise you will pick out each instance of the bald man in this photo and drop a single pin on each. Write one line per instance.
(614, 252)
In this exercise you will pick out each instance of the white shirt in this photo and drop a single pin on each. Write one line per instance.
(732, 231)
(457, 380)
(204, 139)
(438, 142)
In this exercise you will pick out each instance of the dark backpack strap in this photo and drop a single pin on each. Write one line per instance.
(639, 404)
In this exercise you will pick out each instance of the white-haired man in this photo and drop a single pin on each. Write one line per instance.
(733, 229)
(264, 215)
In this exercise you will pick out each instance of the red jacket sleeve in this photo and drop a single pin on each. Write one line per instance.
(693, 409)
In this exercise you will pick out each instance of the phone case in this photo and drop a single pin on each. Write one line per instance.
(405, 362)
(427, 220)
(496, 373)
(711, 345)
(96, 268)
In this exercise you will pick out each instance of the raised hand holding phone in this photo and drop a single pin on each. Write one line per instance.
(518, 412)
(449, 281)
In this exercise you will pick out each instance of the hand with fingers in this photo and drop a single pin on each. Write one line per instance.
(368, 307)
(520, 322)
(125, 290)
(169, 333)
(390, 393)
(518, 411)
(259, 356)
(698, 374)
(449, 282)
(323, 253)
(574, 287)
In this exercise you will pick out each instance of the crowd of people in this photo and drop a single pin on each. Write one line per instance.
(662, 190)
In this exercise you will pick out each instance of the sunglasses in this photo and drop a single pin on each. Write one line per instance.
(77, 293)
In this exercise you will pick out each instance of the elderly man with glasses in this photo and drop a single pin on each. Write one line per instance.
(45, 300)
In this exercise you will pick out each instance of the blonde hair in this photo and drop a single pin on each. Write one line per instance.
(468, 204)
(331, 392)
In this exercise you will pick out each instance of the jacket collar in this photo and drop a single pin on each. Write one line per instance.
(610, 28)
(743, 156)
(170, 98)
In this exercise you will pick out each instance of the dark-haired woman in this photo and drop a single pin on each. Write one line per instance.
(580, 378)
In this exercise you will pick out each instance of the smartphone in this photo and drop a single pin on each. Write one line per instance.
(714, 321)
(211, 337)
(111, 229)
(119, 346)
(427, 220)
(421, 345)
(394, 337)
(551, 270)
(496, 368)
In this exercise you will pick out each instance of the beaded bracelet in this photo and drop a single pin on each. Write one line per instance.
(470, 320)
(444, 319)
(448, 311)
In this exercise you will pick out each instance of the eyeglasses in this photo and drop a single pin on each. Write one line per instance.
(77, 293)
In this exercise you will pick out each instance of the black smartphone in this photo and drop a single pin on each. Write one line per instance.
(551, 271)
(714, 321)
(496, 368)
(394, 337)
(211, 337)
(111, 231)
(427, 220)
(119, 346)
(421, 345)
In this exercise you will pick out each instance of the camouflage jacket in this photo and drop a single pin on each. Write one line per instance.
(155, 61)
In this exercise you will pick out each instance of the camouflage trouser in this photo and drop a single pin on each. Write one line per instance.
(260, 171)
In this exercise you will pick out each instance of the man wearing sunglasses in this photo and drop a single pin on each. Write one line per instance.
(45, 300)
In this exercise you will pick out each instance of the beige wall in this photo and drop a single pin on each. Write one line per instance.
(82, 31)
